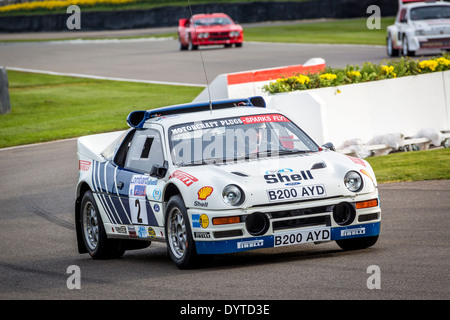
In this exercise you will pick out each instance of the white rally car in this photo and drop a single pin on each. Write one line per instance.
(219, 177)
(419, 25)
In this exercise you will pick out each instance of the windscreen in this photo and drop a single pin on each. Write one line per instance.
(430, 13)
(213, 21)
(237, 138)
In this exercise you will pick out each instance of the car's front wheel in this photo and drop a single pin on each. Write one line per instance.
(390, 47)
(357, 243)
(405, 48)
(180, 244)
(93, 232)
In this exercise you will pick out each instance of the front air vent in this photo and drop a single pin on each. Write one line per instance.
(319, 165)
(240, 174)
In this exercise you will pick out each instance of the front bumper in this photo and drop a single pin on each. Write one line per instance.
(288, 224)
(435, 43)
(218, 41)
(308, 235)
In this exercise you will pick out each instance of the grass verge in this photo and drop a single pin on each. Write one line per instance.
(412, 166)
(349, 31)
(46, 107)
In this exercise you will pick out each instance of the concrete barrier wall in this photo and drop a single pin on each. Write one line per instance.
(403, 105)
(250, 83)
(168, 16)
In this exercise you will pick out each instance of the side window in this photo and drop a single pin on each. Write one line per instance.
(121, 153)
(402, 17)
(145, 151)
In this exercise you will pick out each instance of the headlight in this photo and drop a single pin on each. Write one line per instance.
(353, 181)
(232, 195)
(234, 34)
(203, 35)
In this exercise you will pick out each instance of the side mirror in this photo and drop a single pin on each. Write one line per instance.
(329, 146)
(159, 171)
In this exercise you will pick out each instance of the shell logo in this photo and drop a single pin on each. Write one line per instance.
(204, 193)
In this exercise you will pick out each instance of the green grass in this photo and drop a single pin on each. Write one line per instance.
(46, 107)
(349, 31)
(412, 166)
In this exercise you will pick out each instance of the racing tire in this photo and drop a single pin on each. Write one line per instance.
(191, 45)
(405, 48)
(357, 243)
(93, 231)
(390, 48)
(182, 47)
(179, 240)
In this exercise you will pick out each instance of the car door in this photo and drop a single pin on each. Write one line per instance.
(133, 178)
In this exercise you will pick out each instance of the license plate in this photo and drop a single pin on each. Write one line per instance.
(302, 236)
(299, 192)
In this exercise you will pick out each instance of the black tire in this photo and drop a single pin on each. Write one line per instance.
(93, 231)
(191, 45)
(357, 243)
(405, 48)
(390, 48)
(179, 240)
(182, 47)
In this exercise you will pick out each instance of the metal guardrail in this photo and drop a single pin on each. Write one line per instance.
(5, 104)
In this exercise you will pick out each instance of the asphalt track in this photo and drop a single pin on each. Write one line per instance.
(160, 60)
(37, 239)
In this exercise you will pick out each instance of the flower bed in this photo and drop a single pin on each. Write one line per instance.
(332, 77)
(58, 4)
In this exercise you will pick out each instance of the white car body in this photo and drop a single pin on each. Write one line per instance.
(285, 199)
(419, 25)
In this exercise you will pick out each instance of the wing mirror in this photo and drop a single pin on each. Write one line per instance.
(329, 146)
(159, 171)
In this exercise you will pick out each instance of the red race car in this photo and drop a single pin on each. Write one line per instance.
(209, 29)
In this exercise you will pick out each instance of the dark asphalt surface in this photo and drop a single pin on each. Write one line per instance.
(37, 245)
(160, 60)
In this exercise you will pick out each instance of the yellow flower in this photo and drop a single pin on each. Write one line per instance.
(302, 79)
(328, 76)
(443, 61)
(428, 64)
(388, 70)
(353, 74)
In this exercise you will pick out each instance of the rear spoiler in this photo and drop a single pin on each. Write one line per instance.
(136, 119)
(94, 146)
(182, 22)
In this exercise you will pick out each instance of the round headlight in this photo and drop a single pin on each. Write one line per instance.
(353, 181)
(232, 195)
